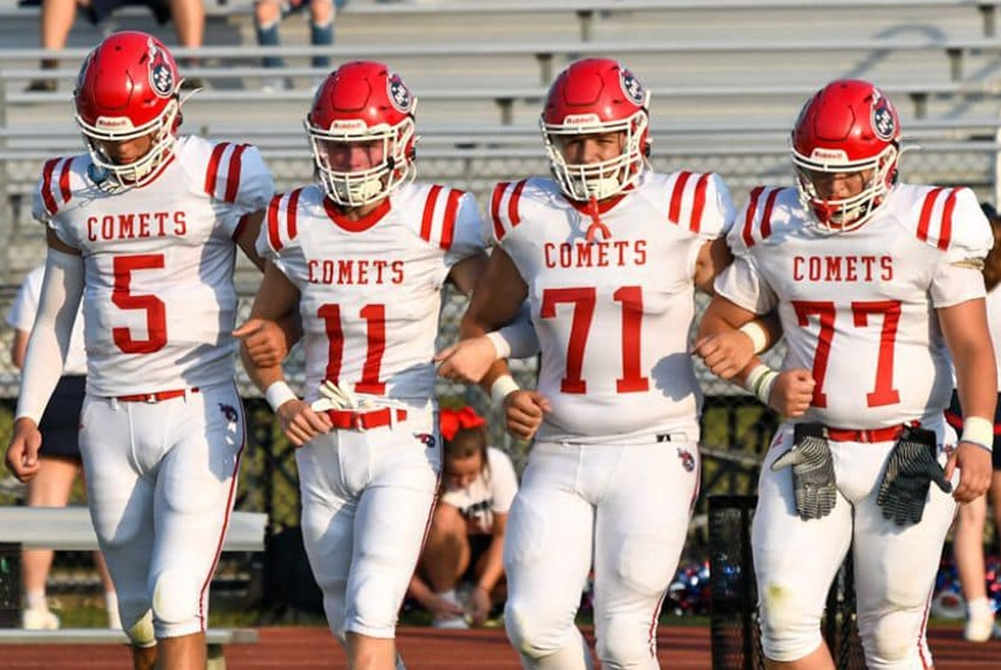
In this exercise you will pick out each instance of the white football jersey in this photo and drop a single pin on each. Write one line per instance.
(613, 314)
(858, 308)
(159, 300)
(371, 289)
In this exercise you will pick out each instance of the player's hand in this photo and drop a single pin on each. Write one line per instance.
(725, 354)
(479, 605)
(523, 412)
(792, 392)
(300, 423)
(975, 471)
(467, 361)
(264, 340)
(22, 451)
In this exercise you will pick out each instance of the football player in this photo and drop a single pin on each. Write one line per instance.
(144, 229)
(876, 282)
(608, 254)
(364, 254)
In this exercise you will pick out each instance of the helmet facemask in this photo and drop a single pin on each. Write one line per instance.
(845, 214)
(361, 187)
(162, 131)
(601, 180)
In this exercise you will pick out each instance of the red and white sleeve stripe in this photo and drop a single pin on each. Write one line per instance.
(222, 177)
(55, 188)
(687, 203)
(505, 212)
(935, 221)
(757, 223)
(281, 219)
(441, 209)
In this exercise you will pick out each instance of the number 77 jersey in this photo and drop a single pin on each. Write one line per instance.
(858, 308)
(612, 300)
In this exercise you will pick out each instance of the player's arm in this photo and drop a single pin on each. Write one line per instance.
(46, 352)
(268, 342)
(967, 335)
(465, 274)
(727, 328)
(276, 297)
(714, 256)
(19, 347)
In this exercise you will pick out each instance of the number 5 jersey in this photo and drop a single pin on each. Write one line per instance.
(858, 308)
(159, 301)
(612, 300)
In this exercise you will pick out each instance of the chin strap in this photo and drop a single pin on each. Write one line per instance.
(596, 225)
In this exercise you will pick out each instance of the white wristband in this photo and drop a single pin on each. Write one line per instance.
(760, 381)
(502, 387)
(759, 338)
(278, 394)
(501, 345)
(979, 431)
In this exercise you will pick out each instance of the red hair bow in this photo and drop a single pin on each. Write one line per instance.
(451, 421)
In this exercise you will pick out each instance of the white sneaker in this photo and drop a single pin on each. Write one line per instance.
(980, 629)
(456, 622)
(39, 619)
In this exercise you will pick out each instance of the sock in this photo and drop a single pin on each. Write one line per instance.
(36, 600)
(321, 36)
(979, 608)
(267, 36)
(111, 604)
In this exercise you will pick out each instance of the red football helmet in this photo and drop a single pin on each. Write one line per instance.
(849, 126)
(595, 96)
(127, 88)
(363, 103)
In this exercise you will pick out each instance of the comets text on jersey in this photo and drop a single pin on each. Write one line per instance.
(600, 254)
(842, 268)
(137, 225)
(360, 271)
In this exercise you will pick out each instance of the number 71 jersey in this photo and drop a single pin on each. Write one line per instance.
(858, 308)
(613, 308)
(159, 301)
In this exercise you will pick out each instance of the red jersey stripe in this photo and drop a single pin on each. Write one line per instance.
(926, 209)
(429, 206)
(64, 181)
(495, 201)
(699, 204)
(766, 218)
(292, 229)
(674, 211)
(233, 174)
(47, 197)
(213, 172)
(512, 204)
(273, 236)
(451, 214)
(752, 209)
(945, 235)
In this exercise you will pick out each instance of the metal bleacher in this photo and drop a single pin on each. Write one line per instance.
(728, 77)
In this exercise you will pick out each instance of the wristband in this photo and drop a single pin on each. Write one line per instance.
(759, 338)
(760, 381)
(502, 387)
(278, 394)
(979, 431)
(501, 345)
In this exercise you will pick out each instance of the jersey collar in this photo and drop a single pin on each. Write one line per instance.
(362, 224)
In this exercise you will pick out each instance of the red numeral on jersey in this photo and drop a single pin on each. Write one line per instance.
(156, 313)
(375, 316)
(883, 393)
(583, 301)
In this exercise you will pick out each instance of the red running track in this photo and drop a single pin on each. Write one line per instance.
(430, 649)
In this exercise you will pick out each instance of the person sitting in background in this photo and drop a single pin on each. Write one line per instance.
(60, 456)
(58, 17)
(268, 15)
(968, 543)
(466, 540)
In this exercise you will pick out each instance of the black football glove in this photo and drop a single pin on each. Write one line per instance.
(910, 470)
(812, 471)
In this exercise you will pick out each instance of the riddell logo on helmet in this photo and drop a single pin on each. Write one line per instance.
(348, 125)
(581, 120)
(828, 155)
(113, 123)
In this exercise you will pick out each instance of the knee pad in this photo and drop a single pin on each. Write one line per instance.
(789, 631)
(139, 628)
(627, 644)
(373, 606)
(893, 641)
(176, 603)
(532, 633)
